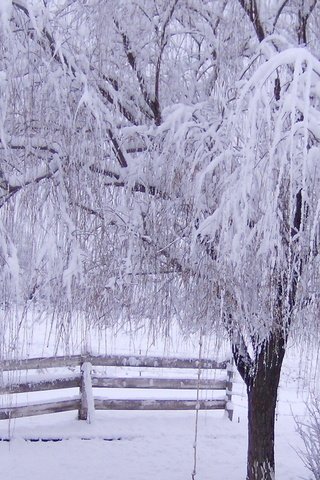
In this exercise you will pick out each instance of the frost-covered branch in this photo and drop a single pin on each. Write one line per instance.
(8, 189)
(152, 103)
(63, 58)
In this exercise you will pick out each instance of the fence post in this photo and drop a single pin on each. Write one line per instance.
(229, 406)
(86, 411)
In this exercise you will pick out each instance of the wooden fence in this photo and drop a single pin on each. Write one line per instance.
(87, 380)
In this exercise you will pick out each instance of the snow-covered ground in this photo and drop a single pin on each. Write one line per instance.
(146, 445)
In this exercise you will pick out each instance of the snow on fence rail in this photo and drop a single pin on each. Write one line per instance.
(86, 380)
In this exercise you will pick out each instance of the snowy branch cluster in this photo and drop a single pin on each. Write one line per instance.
(159, 160)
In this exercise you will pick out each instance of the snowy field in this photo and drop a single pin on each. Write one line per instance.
(146, 445)
(150, 445)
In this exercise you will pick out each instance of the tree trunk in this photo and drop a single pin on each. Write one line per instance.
(262, 390)
(261, 422)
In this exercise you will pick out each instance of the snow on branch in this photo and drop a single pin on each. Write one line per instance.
(264, 227)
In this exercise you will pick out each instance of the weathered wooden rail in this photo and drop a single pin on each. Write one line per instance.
(87, 380)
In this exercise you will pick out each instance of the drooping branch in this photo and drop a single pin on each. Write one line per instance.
(64, 60)
(56, 53)
(173, 264)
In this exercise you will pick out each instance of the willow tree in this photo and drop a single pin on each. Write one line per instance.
(157, 168)
(266, 236)
(88, 100)
(263, 232)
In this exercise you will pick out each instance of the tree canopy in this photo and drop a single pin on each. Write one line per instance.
(159, 161)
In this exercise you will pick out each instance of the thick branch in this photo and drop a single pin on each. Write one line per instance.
(303, 17)
(163, 43)
(107, 96)
(251, 9)
(240, 351)
(137, 187)
(152, 103)
(117, 150)
(298, 261)
(10, 190)
(242, 359)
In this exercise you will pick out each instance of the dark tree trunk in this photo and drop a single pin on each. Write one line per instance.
(262, 381)
(261, 414)
(261, 373)
(262, 402)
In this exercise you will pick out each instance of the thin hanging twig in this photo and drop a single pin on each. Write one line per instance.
(194, 471)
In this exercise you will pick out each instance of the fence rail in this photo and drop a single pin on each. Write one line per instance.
(40, 408)
(40, 386)
(158, 383)
(108, 404)
(111, 361)
(87, 380)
